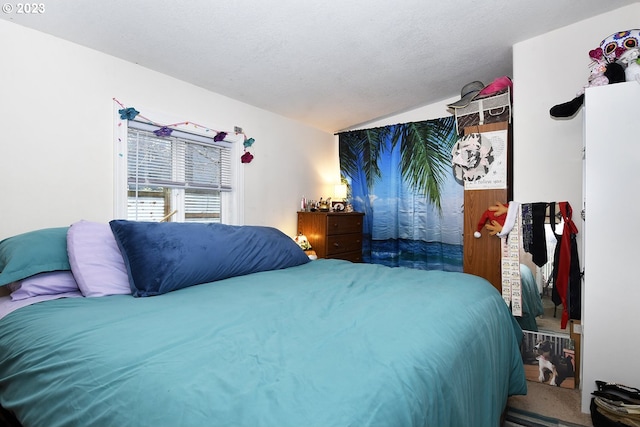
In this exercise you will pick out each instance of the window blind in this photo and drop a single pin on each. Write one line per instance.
(183, 173)
(182, 160)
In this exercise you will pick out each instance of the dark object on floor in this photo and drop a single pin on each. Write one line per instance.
(615, 405)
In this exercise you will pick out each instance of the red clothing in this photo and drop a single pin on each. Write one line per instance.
(562, 281)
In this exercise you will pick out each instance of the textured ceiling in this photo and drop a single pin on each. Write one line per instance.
(332, 64)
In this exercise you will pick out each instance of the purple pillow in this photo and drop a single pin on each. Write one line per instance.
(96, 261)
(56, 282)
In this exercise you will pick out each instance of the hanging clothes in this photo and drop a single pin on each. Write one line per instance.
(534, 240)
(567, 289)
(539, 243)
(527, 226)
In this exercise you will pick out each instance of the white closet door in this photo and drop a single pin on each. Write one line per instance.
(611, 307)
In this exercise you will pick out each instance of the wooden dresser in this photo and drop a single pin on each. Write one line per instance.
(333, 234)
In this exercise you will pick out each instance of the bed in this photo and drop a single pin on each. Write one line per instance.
(159, 333)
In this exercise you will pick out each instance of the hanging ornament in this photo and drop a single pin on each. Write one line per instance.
(128, 113)
(246, 157)
(163, 131)
(220, 136)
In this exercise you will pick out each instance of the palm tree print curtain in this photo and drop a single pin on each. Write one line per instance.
(401, 177)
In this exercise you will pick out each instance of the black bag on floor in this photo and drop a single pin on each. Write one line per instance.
(615, 405)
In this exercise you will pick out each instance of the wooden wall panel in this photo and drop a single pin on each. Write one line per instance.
(481, 256)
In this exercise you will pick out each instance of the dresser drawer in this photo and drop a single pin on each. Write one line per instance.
(344, 224)
(341, 243)
(355, 256)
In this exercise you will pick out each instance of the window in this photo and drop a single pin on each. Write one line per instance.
(183, 177)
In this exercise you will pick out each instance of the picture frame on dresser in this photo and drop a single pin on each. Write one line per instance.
(338, 206)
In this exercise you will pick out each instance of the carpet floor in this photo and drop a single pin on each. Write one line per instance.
(549, 404)
(520, 418)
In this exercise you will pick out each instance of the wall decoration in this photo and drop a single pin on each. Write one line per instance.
(510, 263)
(549, 358)
(165, 130)
(490, 172)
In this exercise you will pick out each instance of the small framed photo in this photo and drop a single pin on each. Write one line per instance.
(337, 206)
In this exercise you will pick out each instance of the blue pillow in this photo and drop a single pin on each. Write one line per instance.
(165, 256)
(31, 253)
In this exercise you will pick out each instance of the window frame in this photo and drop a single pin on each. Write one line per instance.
(232, 211)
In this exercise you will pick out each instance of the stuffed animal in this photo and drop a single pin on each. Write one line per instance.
(632, 61)
(492, 219)
(598, 77)
(633, 71)
(606, 68)
(613, 73)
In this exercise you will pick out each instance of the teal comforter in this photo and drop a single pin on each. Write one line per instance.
(328, 343)
(531, 300)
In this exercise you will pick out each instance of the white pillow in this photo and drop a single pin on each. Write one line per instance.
(96, 261)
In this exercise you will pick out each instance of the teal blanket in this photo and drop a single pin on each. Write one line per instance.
(328, 343)
(531, 300)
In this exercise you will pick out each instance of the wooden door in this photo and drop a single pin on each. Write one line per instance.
(482, 256)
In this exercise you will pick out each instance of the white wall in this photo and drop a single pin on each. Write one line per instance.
(549, 70)
(548, 161)
(427, 112)
(56, 153)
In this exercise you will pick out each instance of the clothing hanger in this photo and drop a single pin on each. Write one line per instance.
(555, 215)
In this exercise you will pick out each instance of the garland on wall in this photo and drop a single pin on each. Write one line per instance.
(164, 131)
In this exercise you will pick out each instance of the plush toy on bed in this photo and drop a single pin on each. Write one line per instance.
(493, 219)
(606, 68)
